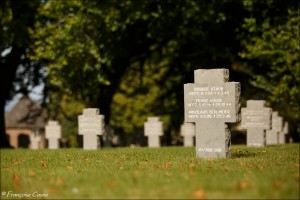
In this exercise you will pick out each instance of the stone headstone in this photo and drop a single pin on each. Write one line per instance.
(211, 102)
(256, 118)
(90, 125)
(53, 134)
(35, 141)
(187, 130)
(272, 135)
(282, 134)
(153, 130)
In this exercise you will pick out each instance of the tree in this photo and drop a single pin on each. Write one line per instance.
(18, 73)
(92, 47)
(273, 54)
(116, 54)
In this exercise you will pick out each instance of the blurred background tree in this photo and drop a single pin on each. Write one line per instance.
(131, 58)
(273, 52)
(18, 73)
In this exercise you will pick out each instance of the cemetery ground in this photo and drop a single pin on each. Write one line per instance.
(167, 172)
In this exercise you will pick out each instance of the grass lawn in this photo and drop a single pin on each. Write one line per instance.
(167, 172)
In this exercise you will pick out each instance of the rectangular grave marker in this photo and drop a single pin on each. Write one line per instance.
(153, 130)
(273, 134)
(256, 118)
(187, 130)
(53, 134)
(90, 125)
(211, 102)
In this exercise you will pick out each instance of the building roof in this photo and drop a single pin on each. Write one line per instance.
(26, 114)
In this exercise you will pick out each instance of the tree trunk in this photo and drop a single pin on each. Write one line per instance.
(107, 91)
(7, 75)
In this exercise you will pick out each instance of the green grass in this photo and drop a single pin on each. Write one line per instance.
(168, 172)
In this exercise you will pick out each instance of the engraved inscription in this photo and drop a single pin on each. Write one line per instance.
(209, 103)
(210, 150)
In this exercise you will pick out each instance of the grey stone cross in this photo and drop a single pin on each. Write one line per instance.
(211, 102)
(153, 130)
(272, 135)
(91, 124)
(187, 130)
(256, 118)
(53, 134)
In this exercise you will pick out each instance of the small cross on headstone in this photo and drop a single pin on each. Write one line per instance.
(53, 134)
(272, 135)
(256, 118)
(90, 125)
(211, 102)
(153, 129)
(187, 130)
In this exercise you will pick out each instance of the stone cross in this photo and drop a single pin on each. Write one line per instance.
(211, 102)
(283, 133)
(53, 134)
(273, 134)
(91, 124)
(187, 130)
(256, 118)
(35, 141)
(153, 129)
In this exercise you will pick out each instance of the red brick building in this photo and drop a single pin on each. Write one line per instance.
(26, 119)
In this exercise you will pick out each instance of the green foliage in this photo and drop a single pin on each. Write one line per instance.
(19, 73)
(65, 109)
(159, 173)
(92, 48)
(273, 51)
(142, 94)
(131, 58)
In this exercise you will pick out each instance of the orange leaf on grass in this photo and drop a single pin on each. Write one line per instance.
(199, 194)
(110, 185)
(16, 177)
(60, 181)
(168, 165)
(53, 189)
(44, 164)
(226, 169)
(243, 185)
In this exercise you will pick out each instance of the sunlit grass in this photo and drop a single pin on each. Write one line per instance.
(168, 172)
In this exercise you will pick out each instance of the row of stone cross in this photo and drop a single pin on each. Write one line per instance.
(212, 101)
(209, 103)
(52, 134)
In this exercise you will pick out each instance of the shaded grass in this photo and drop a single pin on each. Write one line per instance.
(168, 172)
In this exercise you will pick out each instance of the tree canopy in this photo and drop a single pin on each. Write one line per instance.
(131, 58)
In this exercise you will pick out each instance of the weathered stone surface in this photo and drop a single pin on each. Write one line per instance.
(211, 102)
(53, 134)
(187, 130)
(90, 125)
(35, 140)
(256, 118)
(273, 134)
(153, 129)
